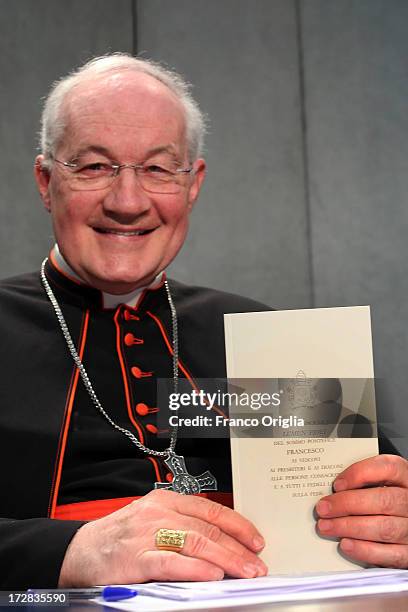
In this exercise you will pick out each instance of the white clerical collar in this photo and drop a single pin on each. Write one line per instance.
(109, 299)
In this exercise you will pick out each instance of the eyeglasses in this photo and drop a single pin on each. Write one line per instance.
(155, 178)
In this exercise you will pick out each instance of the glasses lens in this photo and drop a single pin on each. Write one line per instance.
(145, 183)
(90, 184)
(153, 179)
(159, 184)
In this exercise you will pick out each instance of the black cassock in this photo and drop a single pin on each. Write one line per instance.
(55, 447)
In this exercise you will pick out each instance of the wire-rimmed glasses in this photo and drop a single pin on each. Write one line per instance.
(153, 177)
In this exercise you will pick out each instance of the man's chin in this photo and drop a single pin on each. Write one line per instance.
(119, 285)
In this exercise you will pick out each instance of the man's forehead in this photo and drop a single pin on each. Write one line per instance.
(121, 102)
(133, 95)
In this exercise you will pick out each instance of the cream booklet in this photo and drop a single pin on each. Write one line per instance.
(316, 369)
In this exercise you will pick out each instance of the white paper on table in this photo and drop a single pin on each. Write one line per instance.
(269, 589)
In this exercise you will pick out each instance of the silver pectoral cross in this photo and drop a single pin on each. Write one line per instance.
(183, 482)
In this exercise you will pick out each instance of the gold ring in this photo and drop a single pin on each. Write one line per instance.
(170, 539)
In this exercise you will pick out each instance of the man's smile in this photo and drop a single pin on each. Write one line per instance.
(122, 232)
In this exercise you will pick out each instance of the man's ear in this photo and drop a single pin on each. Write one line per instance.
(197, 181)
(42, 178)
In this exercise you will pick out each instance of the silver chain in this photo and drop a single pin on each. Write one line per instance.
(85, 378)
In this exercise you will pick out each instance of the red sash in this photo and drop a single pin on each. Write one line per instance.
(91, 510)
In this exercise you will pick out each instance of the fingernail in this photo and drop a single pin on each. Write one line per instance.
(262, 569)
(325, 525)
(347, 545)
(250, 571)
(258, 542)
(323, 508)
(218, 574)
(339, 484)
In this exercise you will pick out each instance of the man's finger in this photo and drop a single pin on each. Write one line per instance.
(199, 547)
(389, 501)
(165, 565)
(208, 542)
(376, 471)
(215, 534)
(391, 529)
(226, 519)
(373, 553)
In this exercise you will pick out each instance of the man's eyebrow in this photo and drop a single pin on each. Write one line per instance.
(92, 149)
(101, 150)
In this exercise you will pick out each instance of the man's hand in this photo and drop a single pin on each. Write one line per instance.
(120, 548)
(369, 511)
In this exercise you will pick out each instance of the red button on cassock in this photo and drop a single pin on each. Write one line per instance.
(152, 428)
(143, 409)
(128, 316)
(138, 373)
(130, 339)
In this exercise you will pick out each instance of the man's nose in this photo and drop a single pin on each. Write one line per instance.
(126, 195)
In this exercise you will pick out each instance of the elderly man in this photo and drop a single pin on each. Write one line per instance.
(89, 335)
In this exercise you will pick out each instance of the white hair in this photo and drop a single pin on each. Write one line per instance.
(53, 120)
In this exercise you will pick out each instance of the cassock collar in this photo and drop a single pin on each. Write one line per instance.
(62, 275)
